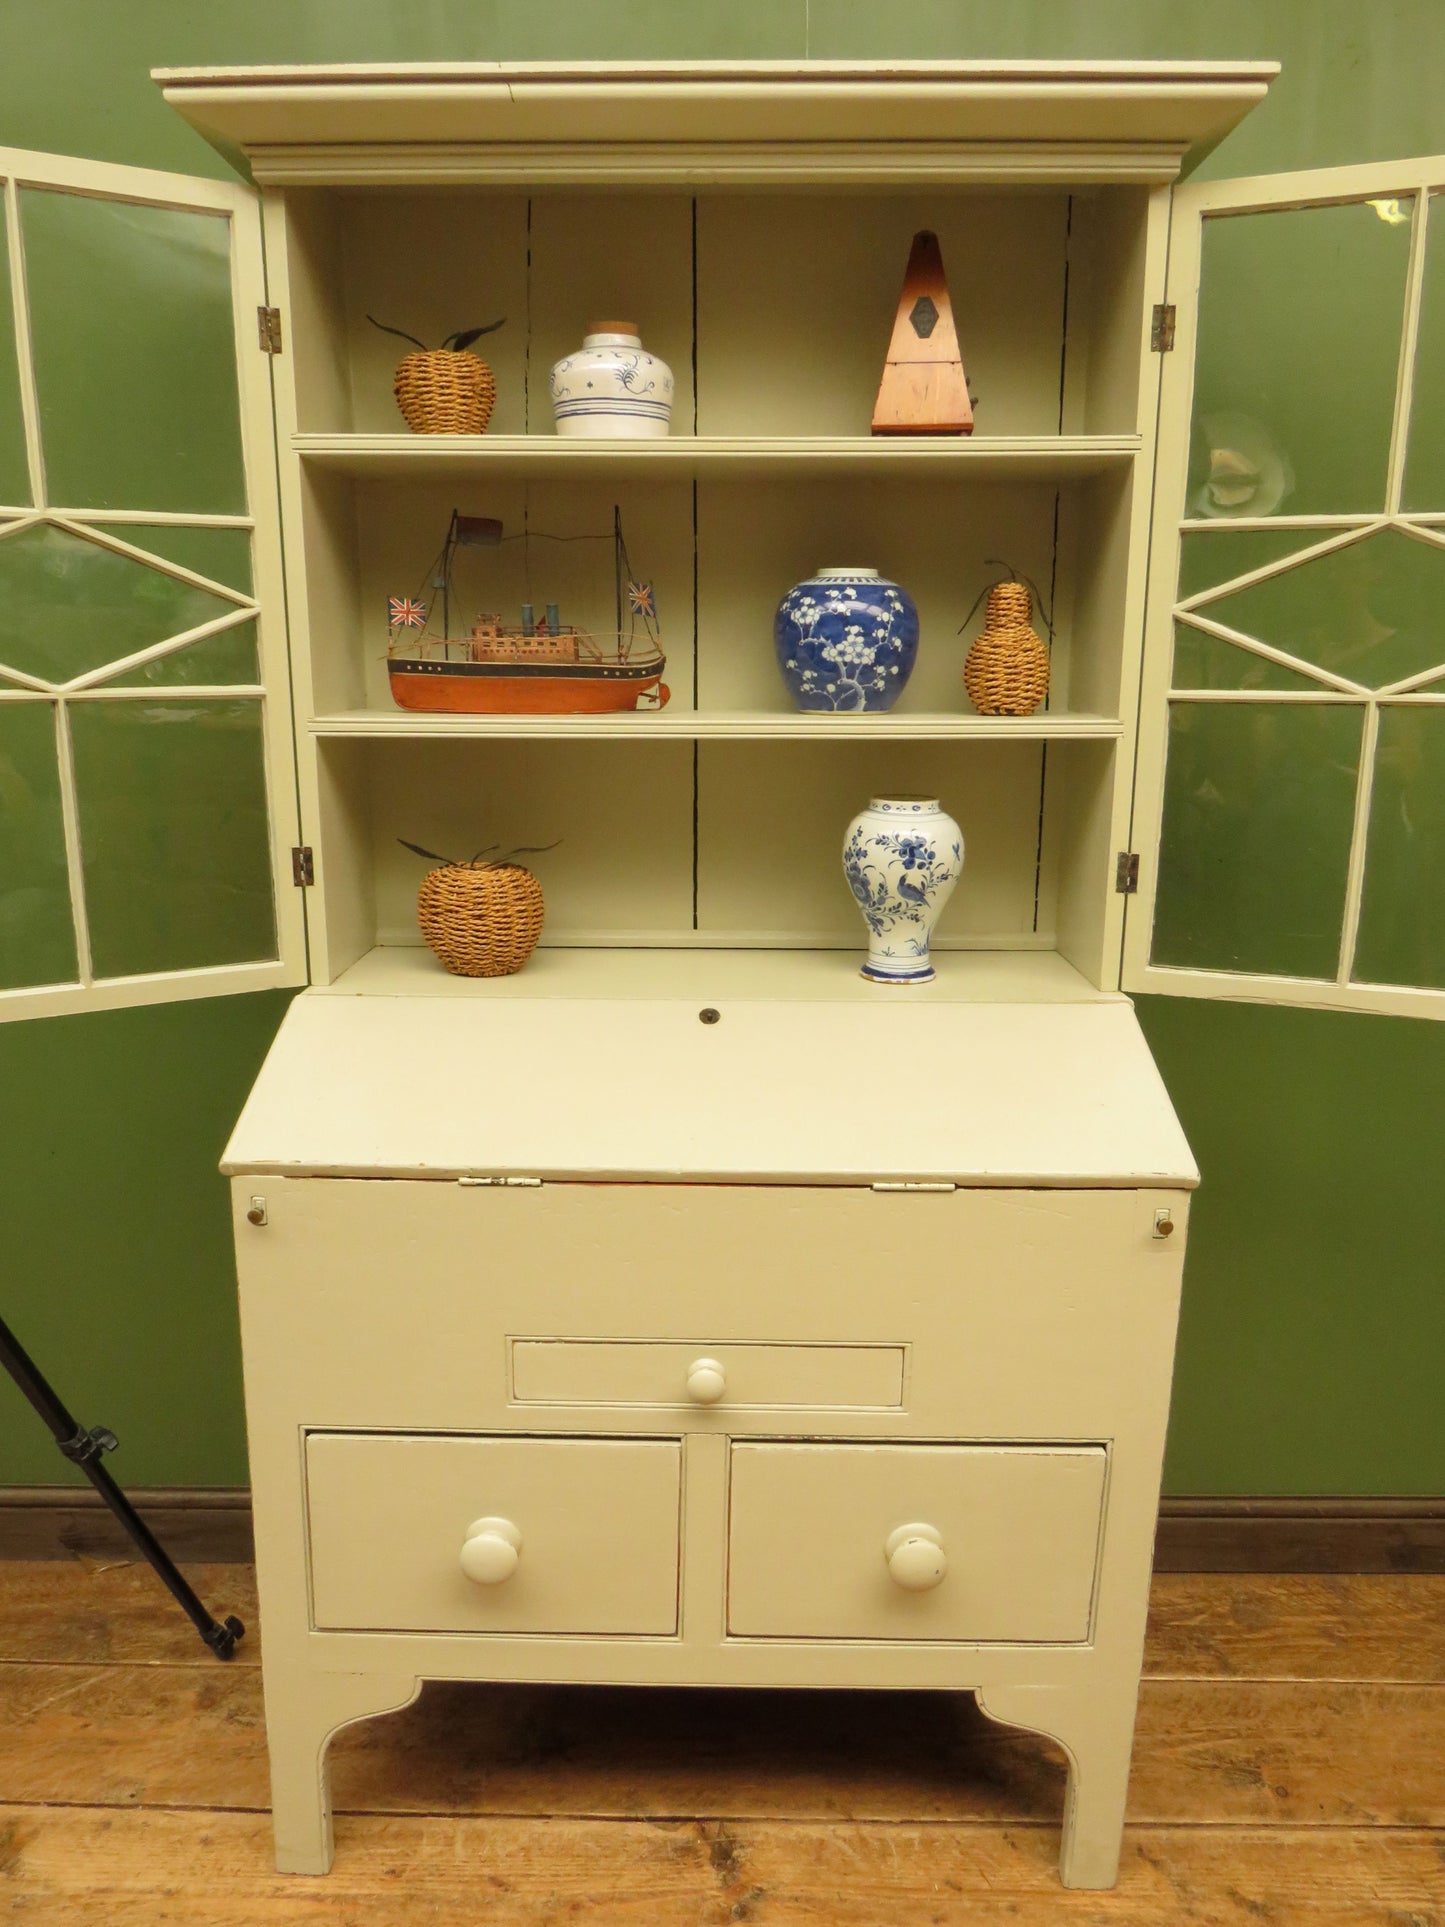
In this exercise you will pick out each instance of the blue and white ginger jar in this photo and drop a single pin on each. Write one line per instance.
(902, 857)
(612, 386)
(847, 640)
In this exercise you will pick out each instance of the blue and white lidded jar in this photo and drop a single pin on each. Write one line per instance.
(902, 857)
(612, 386)
(847, 639)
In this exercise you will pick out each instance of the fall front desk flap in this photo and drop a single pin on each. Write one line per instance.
(895, 1086)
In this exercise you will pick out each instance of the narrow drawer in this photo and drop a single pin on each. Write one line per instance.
(582, 1534)
(1000, 1543)
(574, 1371)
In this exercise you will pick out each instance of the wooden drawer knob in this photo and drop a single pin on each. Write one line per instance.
(491, 1550)
(706, 1381)
(915, 1556)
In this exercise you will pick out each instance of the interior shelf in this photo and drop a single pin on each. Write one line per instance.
(738, 725)
(716, 822)
(980, 458)
(714, 975)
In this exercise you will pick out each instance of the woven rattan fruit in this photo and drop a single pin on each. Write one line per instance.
(481, 919)
(1007, 671)
(446, 390)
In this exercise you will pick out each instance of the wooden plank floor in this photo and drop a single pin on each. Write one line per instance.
(1289, 1767)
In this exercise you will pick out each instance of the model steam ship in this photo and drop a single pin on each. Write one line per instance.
(543, 666)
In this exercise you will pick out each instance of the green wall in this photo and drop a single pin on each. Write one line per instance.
(115, 1256)
(1314, 1321)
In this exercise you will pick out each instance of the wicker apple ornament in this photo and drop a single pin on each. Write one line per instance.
(480, 918)
(1007, 669)
(446, 390)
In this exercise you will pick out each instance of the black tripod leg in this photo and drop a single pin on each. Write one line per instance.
(83, 1448)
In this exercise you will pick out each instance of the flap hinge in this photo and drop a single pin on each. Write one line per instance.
(528, 1184)
(268, 330)
(303, 866)
(1126, 873)
(1161, 329)
(912, 1184)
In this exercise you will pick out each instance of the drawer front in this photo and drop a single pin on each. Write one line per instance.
(596, 1521)
(700, 1375)
(1014, 1530)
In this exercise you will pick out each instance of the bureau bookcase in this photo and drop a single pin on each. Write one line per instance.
(683, 1309)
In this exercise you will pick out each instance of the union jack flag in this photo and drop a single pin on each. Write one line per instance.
(639, 598)
(404, 613)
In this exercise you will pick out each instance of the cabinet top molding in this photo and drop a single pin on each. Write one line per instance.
(717, 120)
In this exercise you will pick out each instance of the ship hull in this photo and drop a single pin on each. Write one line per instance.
(526, 689)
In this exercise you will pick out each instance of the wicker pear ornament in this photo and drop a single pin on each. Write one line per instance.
(1007, 670)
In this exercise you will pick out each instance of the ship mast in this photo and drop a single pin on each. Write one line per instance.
(617, 558)
(448, 549)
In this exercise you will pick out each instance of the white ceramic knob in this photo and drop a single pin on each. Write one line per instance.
(706, 1381)
(491, 1550)
(915, 1556)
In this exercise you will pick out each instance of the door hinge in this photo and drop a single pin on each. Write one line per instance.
(303, 866)
(1126, 873)
(268, 329)
(912, 1184)
(1161, 331)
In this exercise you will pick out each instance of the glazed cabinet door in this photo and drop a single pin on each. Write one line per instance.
(147, 788)
(1290, 798)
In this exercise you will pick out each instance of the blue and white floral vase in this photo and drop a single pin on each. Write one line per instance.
(902, 857)
(612, 386)
(847, 640)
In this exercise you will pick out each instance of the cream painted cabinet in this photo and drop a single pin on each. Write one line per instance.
(685, 1309)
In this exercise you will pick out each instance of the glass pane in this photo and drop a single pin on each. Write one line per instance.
(1301, 312)
(14, 470)
(1204, 662)
(1425, 453)
(37, 937)
(1208, 557)
(135, 354)
(1402, 915)
(71, 605)
(172, 801)
(1259, 803)
(222, 554)
(1374, 611)
(227, 657)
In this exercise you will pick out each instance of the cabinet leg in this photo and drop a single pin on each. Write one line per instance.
(1096, 1731)
(303, 1713)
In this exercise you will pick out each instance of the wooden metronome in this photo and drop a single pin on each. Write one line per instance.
(924, 390)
